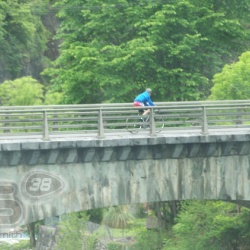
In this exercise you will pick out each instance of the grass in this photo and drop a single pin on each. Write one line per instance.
(22, 245)
(134, 226)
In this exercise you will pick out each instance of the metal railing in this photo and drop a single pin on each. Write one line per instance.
(101, 119)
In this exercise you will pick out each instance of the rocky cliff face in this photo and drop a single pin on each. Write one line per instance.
(30, 64)
(52, 24)
(47, 238)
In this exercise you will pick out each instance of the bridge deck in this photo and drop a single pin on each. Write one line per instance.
(239, 133)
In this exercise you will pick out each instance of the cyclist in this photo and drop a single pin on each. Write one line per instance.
(144, 99)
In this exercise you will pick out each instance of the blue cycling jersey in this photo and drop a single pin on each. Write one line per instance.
(144, 98)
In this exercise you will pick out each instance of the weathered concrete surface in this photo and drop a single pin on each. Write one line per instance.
(99, 184)
(44, 179)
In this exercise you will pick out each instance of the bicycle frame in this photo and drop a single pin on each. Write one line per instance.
(155, 124)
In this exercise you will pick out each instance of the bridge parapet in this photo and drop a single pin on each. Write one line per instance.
(100, 120)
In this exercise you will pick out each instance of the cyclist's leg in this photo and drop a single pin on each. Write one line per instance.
(146, 112)
(140, 112)
(139, 104)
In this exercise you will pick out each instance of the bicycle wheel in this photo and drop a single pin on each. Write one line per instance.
(133, 124)
(159, 124)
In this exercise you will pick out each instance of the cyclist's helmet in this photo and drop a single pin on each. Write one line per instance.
(149, 90)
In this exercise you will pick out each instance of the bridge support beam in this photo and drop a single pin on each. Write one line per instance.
(52, 156)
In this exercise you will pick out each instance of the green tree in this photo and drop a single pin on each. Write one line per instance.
(149, 240)
(73, 234)
(110, 51)
(117, 217)
(53, 97)
(22, 91)
(233, 82)
(211, 225)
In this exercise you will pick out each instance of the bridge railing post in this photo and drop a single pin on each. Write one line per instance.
(152, 123)
(45, 127)
(6, 125)
(239, 117)
(100, 125)
(204, 121)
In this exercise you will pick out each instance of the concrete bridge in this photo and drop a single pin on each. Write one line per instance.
(61, 171)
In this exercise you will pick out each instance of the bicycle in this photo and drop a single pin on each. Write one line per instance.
(135, 123)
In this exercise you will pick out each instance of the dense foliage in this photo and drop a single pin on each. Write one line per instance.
(112, 50)
(210, 225)
(233, 83)
(73, 234)
(22, 91)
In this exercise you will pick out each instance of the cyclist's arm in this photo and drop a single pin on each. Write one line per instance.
(150, 102)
